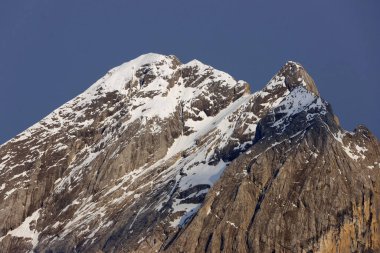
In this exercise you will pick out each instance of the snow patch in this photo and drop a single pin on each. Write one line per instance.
(231, 223)
(25, 231)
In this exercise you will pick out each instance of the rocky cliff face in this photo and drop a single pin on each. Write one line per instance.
(160, 156)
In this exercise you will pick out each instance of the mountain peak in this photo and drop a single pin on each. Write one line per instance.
(158, 72)
(160, 156)
(151, 58)
(290, 76)
(125, 75)
(296, 75)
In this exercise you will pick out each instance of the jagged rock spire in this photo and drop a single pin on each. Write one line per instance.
(290, 76)
(296, 75)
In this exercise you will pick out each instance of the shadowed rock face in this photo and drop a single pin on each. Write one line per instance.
(160, 156)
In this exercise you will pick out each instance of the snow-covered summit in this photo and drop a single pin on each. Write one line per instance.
(127, 164)
(117, 78)
(155, 72)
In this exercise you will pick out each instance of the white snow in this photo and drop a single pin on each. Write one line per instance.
(141, 240)
(190, 209)
(298, 100)
(276, 81)
(143, 107)
(25, 231)
(9, 193)
(55, 225)
(350, 153)
(23, 174)
(232, 224)
(116, 78)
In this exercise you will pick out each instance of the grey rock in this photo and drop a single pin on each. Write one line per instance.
(160, 156)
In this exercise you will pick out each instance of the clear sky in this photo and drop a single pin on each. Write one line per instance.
(50, 51)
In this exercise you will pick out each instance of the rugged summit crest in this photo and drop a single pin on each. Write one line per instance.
(163, 156)
(295, 75)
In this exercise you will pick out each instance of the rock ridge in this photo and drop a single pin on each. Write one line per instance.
(161, 156)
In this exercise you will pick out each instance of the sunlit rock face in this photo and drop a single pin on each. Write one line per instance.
(160, 156)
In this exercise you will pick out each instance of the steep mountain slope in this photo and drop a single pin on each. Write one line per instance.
(163, 156)
(305, 186)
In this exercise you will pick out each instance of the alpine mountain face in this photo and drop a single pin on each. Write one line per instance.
(160, 156)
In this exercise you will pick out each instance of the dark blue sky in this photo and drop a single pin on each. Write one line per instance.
(50, 51)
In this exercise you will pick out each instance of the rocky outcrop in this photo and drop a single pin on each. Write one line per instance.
(169, 157)
(298, 189)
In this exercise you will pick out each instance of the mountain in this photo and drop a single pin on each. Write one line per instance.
(161, 156)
